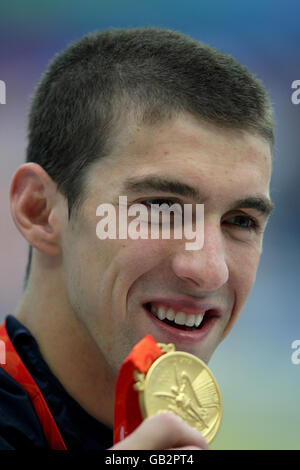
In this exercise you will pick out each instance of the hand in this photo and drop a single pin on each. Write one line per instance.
(164, 431)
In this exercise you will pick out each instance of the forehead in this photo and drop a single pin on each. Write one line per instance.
(197, 152)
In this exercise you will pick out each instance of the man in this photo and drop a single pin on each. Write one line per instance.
(153, 115)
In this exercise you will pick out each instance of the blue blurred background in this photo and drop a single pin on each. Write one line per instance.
(259, 383)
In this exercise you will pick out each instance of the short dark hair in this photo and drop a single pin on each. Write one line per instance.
(156, 73)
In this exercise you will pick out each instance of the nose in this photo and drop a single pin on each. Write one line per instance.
(206, 268)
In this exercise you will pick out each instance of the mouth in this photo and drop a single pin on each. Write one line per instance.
(180, 322)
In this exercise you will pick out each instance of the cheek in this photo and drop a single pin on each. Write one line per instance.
(86, 259)
(139, 256)
(243, 271)
(135, 259)
(243, 268)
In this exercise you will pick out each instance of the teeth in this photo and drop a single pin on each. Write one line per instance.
(198, 320)
(190, 321)
(153, 309)
(161, 313)
(180, 318)
(170, 314)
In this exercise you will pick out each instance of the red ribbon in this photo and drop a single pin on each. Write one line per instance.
(127, 414)
(17, 370)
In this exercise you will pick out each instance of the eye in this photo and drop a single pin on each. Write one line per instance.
(244, 222)
(162, 207)
(158, 201)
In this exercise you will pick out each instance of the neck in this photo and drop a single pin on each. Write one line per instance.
(67, 347)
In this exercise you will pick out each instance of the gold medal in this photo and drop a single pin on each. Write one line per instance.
(180, 382)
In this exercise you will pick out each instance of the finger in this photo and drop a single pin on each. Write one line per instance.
(162, 431)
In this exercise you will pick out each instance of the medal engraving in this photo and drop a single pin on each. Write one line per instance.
(182, 383)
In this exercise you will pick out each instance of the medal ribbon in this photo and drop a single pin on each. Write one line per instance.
(127, 413)
(17, 370)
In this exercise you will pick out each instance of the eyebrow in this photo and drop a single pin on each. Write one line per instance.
(260, 203)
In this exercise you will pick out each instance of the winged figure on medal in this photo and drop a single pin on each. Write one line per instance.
(184, 399)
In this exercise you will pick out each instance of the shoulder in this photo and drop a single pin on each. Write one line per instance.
(19, 425)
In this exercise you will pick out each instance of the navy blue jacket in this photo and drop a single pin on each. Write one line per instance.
(19, 425)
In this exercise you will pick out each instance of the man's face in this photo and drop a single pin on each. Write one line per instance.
(118, 288)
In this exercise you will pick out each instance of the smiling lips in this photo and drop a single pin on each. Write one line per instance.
(181, 315)
(180, 318)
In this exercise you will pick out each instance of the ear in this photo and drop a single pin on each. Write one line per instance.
(36, 208)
